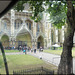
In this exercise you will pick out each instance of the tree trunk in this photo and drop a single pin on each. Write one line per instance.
(65, 66)
(66, 62)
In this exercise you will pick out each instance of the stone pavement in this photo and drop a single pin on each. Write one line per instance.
(47, 57)
(50, 58)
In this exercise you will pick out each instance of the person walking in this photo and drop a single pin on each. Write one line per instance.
(35, 50)
(24, 51)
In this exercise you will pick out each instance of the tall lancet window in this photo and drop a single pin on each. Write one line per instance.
(5, 25)
(18, 24)
(38, 28)
(27, 24)
(15, 25)
(30, 26)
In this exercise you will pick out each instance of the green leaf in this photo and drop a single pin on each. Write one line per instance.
(56, 9)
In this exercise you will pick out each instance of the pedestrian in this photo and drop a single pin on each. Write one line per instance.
(24, 51)
(31, 50)
(34, 50)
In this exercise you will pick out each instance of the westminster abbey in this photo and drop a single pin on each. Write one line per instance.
(17, 28)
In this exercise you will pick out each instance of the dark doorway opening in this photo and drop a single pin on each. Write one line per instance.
(22, 43)
(38, 45)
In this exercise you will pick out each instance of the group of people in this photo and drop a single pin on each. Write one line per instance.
(9, 48)
(25, 49)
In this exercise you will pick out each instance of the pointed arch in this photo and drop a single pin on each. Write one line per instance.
(24, 30)
(6, 19)
(24, 37)
(5, 40)
(4, 33)
(40, 41)
(5, 23)
(39, 27)
(29, 23)
(41, 34)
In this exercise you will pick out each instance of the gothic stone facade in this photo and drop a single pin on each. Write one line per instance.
(17, 28)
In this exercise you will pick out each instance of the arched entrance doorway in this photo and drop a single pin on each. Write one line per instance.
(40, 42)
(23, 39)
(5, 41)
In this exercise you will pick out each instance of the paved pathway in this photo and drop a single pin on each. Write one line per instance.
(47, 57)
(13, 53)
(51, 58)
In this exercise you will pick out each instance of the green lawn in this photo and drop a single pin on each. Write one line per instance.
(20, 62)
(59, 51)
(9, 51)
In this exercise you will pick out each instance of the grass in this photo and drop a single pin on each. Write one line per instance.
(73, 53)
(20, 62)
(10, 51)
(59, 51)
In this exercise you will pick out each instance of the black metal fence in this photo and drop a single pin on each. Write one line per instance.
(38, 71)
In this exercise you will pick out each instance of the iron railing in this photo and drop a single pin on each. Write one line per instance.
(38, 71)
